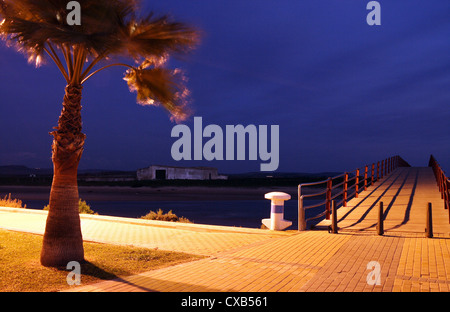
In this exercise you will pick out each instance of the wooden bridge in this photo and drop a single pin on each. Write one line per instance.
(405, 193)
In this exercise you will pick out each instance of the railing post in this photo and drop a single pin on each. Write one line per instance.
(373, 173)
(446, 193)
(345, 193)
(366, 169)
(429, 226)
(380, 226)
(301, 211)
(439, 178)
(334, 227)
(447, 202)
(440, 175)
(378, 171)
(328, 201)
(357, 183)
(382, 169)
(388, 166)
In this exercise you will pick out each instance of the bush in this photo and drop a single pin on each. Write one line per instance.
(161, 216)
(7, 201)
(83, 207)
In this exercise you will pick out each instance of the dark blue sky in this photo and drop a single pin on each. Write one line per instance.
(344, 93)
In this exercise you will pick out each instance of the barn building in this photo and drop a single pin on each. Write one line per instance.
(157, 172)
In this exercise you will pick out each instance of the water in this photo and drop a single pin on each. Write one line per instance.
(241, 213)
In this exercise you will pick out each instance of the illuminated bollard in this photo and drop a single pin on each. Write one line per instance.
(276, 221)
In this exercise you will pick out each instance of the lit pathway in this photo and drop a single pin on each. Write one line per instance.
(191, 238)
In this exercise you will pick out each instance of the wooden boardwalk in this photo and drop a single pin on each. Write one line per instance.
(241, 260)
(405, 195)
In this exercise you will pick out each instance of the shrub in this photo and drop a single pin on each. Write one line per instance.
(7, 201)
(161, 216)
(83, 207)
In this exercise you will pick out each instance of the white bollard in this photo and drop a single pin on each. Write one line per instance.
(276, 221)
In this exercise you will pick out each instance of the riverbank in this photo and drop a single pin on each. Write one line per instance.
(163, 193)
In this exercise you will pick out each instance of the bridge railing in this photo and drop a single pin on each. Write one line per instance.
(343, 187)
(443, 182)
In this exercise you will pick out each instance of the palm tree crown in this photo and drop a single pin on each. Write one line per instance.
(109, 29)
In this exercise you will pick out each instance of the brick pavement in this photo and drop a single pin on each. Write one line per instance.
(309, 261)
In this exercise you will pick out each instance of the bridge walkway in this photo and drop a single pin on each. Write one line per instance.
(405, 194)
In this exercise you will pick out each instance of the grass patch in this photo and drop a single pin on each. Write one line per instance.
(21, 271)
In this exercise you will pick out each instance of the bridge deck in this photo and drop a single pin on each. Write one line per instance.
(405, 194)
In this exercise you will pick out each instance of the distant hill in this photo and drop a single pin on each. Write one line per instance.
(19, 170)
(23, 175)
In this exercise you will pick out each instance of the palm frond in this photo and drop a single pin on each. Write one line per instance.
(31, 23)
(108, 27)
(156, 85)
(153, 36)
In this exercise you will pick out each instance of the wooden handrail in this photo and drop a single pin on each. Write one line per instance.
(387, 166)
(443, 182)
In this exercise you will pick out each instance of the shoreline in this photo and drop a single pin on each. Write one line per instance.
(163, 193)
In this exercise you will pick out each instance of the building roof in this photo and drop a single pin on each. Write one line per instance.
(176, 167)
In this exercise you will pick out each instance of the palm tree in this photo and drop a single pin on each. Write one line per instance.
(110, 30)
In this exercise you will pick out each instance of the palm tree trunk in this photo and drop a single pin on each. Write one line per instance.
(63, 240)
